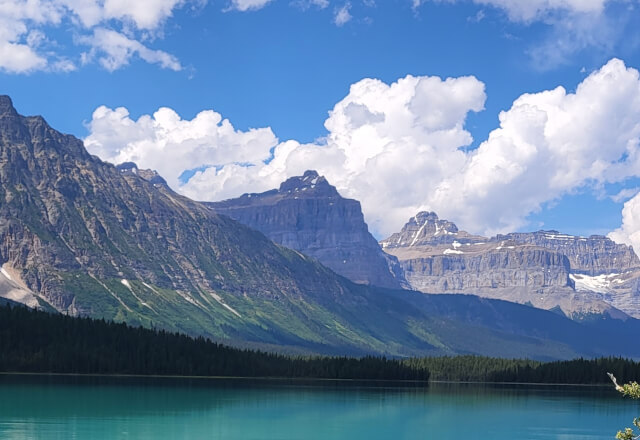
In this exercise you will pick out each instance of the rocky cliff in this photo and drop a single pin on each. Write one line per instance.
(594, 255)
(529, 268)
(308, 214)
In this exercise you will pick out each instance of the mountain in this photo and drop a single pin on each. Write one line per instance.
(308, 214)
(86, 238)
(546, 269)
(594, 255)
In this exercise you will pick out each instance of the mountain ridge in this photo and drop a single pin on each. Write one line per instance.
(306, 213)
(91, 240)
(540, 268)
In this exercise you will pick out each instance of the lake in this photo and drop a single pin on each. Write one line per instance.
(60, 407)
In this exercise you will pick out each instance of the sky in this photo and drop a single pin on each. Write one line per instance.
(500, 115)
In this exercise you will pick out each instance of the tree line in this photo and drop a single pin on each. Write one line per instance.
(33, 341)
(487, 369)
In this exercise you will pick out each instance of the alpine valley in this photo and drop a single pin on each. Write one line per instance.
(83, 237)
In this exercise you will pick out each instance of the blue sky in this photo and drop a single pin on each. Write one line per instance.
(280, 67)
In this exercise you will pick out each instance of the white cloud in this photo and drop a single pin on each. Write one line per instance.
(171, 145)
(114, 50)
(629, 231)
(23, 24)
(625, 194)
(248, 5)
(342, 15)
(399, 148)
(549, 144)
(19, 58)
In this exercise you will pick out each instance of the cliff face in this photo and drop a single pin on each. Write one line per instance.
(594, 255)
(524, 267)
(307, 214)
(530, 268)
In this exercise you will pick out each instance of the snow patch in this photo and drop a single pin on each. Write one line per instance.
(559, 237)
(456, 244)
(599, 284)
(127, 284)
(452, 251)
(417, 234)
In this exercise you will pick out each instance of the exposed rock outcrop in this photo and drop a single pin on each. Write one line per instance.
(529, 268)
(594, 255)
(308, 214)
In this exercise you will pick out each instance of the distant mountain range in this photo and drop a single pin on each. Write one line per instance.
(87, 238)
(579, 276)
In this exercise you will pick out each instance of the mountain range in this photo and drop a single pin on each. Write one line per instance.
(87, 238)
(580, 277)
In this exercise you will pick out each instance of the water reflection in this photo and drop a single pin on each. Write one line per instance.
(132, 408)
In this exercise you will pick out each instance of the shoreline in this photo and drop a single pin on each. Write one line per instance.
(299, 379)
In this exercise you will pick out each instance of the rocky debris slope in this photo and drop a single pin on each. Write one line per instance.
(529, 268)
(308, 214)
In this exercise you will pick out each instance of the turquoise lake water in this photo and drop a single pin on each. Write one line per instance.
(36, 407)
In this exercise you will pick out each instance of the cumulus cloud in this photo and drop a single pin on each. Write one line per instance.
(167, 143)
(23, 26)
(400, 148)
(629, 231)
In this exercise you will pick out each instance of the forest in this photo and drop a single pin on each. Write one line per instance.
(487, 369)
(33, 341)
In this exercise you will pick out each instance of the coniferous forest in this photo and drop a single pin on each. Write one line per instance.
(33, 341)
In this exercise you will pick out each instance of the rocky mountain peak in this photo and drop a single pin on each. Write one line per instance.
(425, 228)
(127, 168)
(308, 214)
(310, 182)
(6, 107)
(151, 176)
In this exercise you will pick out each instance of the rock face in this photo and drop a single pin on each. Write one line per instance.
(523, 267)
(426, 229)
(594, 255)
(530, 268)
(308, 214)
